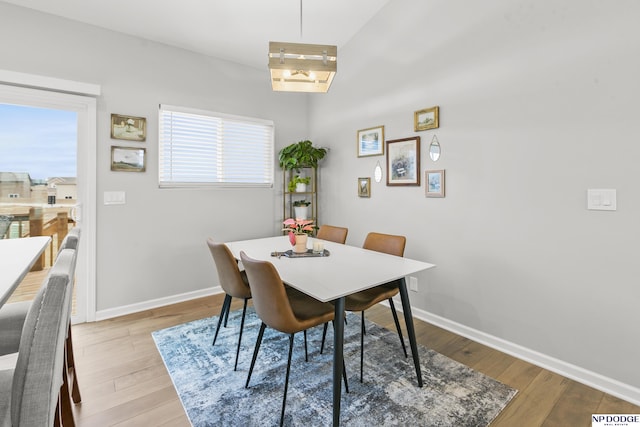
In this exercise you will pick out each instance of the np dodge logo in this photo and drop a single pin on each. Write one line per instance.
(615, 420)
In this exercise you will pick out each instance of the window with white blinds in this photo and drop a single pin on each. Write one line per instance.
(202, 148)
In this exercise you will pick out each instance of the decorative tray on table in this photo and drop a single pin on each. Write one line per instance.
(309, 253)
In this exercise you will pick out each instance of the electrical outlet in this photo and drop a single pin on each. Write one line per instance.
(413, 284)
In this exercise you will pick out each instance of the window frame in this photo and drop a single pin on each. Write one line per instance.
(223, 117)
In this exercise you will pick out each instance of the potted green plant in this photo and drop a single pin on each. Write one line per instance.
(300, 155)
(299, 184)
(301, 208)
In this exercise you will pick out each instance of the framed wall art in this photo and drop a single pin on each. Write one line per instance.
(426, 119)
(128, 127)
(128, 159)
(364, 187)
(435, 183)
(371, 142)
(403, 161)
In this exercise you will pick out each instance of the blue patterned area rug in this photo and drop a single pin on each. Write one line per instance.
(214, 395)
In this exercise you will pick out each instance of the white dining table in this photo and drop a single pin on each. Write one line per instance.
(346, 270)
(17, 256)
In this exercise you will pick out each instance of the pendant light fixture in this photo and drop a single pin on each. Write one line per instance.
(296, 67)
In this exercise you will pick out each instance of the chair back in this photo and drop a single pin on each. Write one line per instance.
(332, 233)
(270, 298)
(387, 243)
(71, 240)
(231, 279)
(37, 380)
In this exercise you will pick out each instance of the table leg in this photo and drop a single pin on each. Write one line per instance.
(408, 320)
(338, 359)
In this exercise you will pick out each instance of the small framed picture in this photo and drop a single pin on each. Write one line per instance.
(403, 161)
(426, 119)
(371, 142)
(128, 159)
(364, 187)
(435, 183)
(128, 127)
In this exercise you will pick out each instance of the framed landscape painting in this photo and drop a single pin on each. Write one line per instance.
(128, 127)
(371, 142)
(426, 119)
(128, 159)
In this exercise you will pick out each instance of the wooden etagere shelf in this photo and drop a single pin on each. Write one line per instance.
(290, 197)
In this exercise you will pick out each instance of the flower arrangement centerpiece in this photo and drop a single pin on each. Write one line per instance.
(298, 229)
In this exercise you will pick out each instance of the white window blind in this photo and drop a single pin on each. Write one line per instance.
(206, 148)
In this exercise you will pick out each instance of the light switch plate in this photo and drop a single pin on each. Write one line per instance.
(114, 198)
(601, 199)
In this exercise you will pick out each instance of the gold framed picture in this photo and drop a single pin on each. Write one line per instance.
(364, 187)
(128, 159)
(371, 142)
(128, 127)
(427, 118)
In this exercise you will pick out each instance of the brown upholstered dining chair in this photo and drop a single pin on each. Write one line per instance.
(337, 235)
(360, 301)
(284, 310)
(235, 285)
(332, 233)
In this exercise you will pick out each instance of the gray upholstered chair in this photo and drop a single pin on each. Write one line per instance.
(71, 241)
(30, 391)
(234, 283)
(12, 317)
(283, 310)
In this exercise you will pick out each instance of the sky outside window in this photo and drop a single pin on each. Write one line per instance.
(39, 141)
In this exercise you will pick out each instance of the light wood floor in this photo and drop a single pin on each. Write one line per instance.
(124, 382)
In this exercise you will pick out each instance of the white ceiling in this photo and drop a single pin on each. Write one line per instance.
(237, 30)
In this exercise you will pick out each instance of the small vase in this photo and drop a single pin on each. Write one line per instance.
(301, 187)
(301, 244)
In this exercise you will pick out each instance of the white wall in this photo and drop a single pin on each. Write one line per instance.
(153, 247)
(538, 102)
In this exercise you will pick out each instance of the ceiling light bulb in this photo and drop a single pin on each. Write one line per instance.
(312, 75)
(287, 73)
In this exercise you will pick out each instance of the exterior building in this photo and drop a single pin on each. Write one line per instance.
(15, 185)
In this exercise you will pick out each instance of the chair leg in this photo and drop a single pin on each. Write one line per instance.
(395, 319)
(225, 309)
(244, 311)
(71, 368)
(362, 332)
(344, 376)
(255, 352)
(286, 379)
(226, 316)
(324, 335)
(66, 413)
(306, 354)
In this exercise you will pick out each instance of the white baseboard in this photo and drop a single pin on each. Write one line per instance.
(592, 379)
(160, 302)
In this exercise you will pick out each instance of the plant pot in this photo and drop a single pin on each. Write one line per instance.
(301, 187)
(301, 212)
(301, 243)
